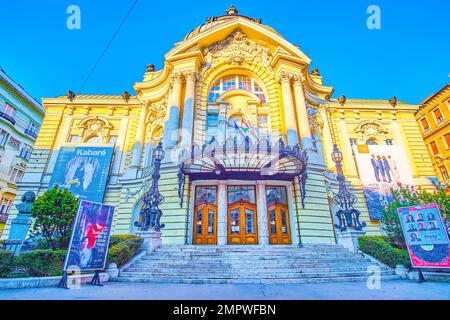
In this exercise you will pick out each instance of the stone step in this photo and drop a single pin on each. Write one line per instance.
(250, 264)
(243, 265)
(227, 260)
(241, 271)
(250, 281)
(233, 275)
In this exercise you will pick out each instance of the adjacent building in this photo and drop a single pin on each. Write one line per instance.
(248, 128)
(434, 122)
(20, 121)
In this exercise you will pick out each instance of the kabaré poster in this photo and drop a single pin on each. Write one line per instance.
(83, 170)
(426, 236)
(90, 236)
(381, 169)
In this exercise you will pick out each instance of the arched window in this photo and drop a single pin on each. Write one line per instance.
(236, 82)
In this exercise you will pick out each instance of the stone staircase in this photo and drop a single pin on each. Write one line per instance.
(250, 264)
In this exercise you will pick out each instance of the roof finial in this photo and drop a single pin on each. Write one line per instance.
(232, 11)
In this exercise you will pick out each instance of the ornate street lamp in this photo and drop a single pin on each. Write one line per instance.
(150, 215)
(347, 215)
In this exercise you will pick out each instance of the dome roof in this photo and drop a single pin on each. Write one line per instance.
(212, 22)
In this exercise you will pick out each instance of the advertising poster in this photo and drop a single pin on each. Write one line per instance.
(382, 168)
(88, 246)
(426, 236)
(83, 171)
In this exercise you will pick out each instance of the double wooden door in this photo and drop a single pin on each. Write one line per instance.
(242, 223)
(205, 229)
(279, 227)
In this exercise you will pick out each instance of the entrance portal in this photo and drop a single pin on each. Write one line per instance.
(242, 221)
(205, 216)
(278, 216)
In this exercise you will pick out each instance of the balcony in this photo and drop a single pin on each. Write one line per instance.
(31, 133)
(7, 117)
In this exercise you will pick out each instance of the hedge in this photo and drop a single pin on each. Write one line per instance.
(379, 248)
(122, 248)
(41, 263)
(6, 263)
(44, 263)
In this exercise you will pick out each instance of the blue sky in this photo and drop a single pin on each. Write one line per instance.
(408, 57)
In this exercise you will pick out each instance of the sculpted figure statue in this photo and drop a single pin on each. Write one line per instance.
(27, 203)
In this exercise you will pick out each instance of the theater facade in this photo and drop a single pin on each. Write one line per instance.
(248, 128)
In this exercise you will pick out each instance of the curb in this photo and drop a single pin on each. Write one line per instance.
(45, 282)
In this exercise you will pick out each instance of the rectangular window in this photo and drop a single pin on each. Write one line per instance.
(447, 140)
(438, 115)
(444, 173)
(434, 148)
(16, 175)
(425, 125)
(9, 110)
(26, 151)
(4, 206)
(4, 136)
(212, 124)
(14, 143)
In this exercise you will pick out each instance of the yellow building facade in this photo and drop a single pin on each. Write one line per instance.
(226, 96)
(434, 122)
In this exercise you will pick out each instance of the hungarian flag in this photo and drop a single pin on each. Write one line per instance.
(246, 129)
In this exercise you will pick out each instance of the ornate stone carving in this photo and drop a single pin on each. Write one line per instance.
(157, 111)
(298, 79)
(150, 68)
(371, 129)
(393, 101)
(126, 96)
(342, 99)
(177, 77)
(235, 50)
(315, 72)
(71, 96)
(95, 127)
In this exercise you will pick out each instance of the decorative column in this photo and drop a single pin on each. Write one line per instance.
(222, 214)
(188, 111)
(289, 112)
(327, 137)
(302, 114)
(263, 227)
(172, 122)
(138, 144)
(346, 146)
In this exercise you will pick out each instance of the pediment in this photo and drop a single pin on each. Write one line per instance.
(218, 39)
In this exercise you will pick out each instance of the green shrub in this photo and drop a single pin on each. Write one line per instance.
(123, 248)
(115, 239)
(6, 263)
(42, 263)
(380, 248)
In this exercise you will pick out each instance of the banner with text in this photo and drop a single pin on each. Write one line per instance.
(83, 171)
(382, 168)
(90, 236)
(426, 236)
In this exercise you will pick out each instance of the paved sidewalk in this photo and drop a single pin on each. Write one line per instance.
(390, 290)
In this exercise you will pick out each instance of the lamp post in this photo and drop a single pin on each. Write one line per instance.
(150, 215)
(347, 215)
